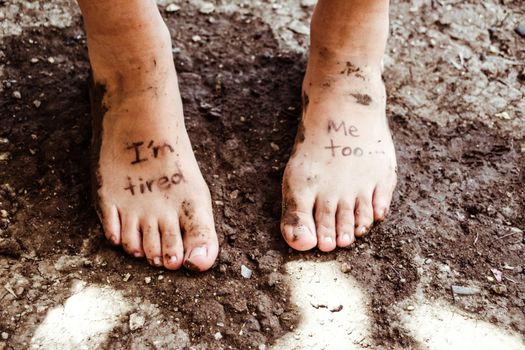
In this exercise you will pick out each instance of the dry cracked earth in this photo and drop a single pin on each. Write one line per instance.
(445, 271)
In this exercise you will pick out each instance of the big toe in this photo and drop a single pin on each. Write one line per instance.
(201, 246)
(297, 223)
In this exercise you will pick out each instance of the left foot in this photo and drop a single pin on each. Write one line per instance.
(342, 171)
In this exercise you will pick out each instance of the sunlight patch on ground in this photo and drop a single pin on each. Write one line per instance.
(83, 321)
(332, 306)
(440, 327)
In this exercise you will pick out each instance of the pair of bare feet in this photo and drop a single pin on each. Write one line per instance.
(151, 196)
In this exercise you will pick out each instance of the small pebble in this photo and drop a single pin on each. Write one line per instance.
(345, 267)
(410, 308)
(217, 336)
(126, 277)
(246, 272)
(5, 335)
(160, 278)
(274, 146)
(3, 213)
(5, 156)
(51, 60)
(17, 95)
(499, 289)
(502, 115)
(147, 280)
(172, 8)
(196, 38)
(459, 290)
(37, 103)
(34, 60)
(520, 30)
(308, 3)
(136, 321)
(207, 8)
(222, 268)
(4, 141)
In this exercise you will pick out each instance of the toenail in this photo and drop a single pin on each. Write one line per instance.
(346, 238)
(199, 251)
(362, 230)
(329, 240)
(382, 214)
(172, 259)
(137, 254)
(299, 232)
(157, 261)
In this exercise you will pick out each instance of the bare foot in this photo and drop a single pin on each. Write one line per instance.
(151, 196)
(342, 172)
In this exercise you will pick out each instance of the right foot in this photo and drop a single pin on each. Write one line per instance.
(151, 196)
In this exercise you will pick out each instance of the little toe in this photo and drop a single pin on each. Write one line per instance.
(297, 223)
(381, 202)
(172, 248)
(364, 216)
(151, 241)
(345, 223)
(200, 239)
(325, 211)
(110, 219)
(131, 236)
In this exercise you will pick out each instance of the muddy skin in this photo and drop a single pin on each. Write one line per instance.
(362, 99)
(352, 69)
(97, 92)
(190, 266)
(299, 137)
(187, 209)
(288, 209)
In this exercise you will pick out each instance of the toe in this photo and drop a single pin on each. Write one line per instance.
(131, 237)
(364, 215)
(172, 248)
(200, 239)
(151, 241)
(381, 201)
(325, 211)
(110, 219)
(297, 222)
(345, 223)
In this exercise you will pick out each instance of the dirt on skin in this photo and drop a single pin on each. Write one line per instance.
(459, 204)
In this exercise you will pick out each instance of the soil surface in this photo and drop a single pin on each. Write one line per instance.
(456, 93)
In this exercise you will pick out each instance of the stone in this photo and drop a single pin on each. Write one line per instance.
(5, 335)
(147, 280)
(298, 27)
(253, 325)
(172, 8)
(37, 103)
(207, 8)
(520, 29)
(500, 289)
(345, 267)
(246, 272)
(136, 321)
(17, 95)
(459, 290)
(217, 336)
(308, 3)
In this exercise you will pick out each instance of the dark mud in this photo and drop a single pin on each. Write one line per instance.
(460, 201)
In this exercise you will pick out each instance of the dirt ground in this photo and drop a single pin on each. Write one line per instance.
(455, 75)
